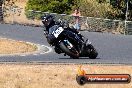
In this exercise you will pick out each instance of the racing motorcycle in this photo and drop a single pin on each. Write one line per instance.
(64, 44)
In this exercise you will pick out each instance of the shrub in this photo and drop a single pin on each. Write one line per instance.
(92, 8)
(55, 6)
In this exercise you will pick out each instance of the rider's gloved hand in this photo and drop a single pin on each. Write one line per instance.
(58, 22)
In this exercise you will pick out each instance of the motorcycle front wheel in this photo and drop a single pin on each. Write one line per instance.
(73, 53)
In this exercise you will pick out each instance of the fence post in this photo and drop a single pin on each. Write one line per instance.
(126, 17)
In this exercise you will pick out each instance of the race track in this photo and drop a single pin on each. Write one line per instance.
(113, 49)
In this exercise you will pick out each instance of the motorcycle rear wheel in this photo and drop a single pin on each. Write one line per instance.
(92, 52)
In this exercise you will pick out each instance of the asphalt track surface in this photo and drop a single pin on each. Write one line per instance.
(112, 49)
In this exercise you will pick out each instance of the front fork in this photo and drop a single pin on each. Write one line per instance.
(68, 44)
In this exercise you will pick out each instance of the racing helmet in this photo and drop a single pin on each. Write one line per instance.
(47, 20)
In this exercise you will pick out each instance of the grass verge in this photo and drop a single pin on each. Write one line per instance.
(55, 76)
(12, 47)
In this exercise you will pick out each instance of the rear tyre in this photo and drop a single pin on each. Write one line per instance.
(73, 53)
(92, 52)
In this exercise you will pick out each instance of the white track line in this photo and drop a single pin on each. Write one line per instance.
(42, 49)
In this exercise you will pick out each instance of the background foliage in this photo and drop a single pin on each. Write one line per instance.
(113, 9)
(56, 6)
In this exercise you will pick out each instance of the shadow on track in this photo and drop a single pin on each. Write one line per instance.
(80, 58)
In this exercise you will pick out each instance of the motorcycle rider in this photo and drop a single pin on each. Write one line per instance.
(50, 24)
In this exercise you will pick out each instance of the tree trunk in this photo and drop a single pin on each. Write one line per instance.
(1, 12)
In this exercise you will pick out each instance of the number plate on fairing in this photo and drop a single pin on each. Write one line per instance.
(57, 32)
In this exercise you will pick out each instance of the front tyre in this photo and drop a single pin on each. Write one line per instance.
(73, 53)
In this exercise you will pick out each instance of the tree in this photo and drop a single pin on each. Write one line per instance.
(121, 6)
(92, 8)
(5, 7)
(1, 11)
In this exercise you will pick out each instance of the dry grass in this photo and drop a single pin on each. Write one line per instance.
(12, 46)
(55, 76)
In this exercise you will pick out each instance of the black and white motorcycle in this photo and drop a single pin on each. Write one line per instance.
(63, 43)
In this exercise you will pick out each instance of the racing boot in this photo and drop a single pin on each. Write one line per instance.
(81, 45)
